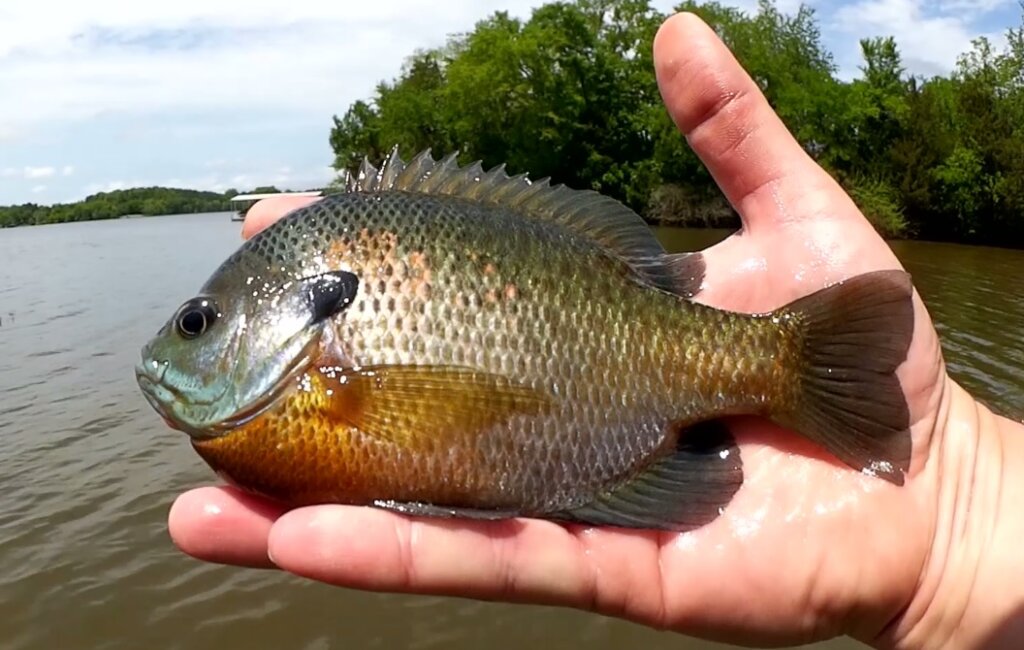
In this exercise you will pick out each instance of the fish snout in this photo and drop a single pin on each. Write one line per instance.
(150, 371)
(149, 374)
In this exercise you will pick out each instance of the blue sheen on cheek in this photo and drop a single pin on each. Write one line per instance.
(195, 389)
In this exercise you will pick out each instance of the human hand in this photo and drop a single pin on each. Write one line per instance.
(806, 550)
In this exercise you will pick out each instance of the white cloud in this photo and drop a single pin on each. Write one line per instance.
(38, 172)
(31, 173)
(38, 189)
(174, 87)
(973, 6)
(929, 42)
(283, 178)
(305, 57)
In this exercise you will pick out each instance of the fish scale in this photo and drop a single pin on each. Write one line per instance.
(444, 341)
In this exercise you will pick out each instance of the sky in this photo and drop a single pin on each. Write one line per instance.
(218, 94)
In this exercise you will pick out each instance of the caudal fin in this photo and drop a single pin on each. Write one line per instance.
(856, 334)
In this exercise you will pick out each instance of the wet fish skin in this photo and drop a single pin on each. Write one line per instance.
(504, 355)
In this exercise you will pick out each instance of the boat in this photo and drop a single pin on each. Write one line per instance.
(246, 201)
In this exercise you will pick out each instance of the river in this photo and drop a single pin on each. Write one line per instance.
(87, 472)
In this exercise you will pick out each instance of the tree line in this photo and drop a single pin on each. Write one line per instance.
(144, 201)
(570, 93)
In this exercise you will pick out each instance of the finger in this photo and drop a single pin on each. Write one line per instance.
(520, 560)
(761, 168)
(223, 525)
(267, 211)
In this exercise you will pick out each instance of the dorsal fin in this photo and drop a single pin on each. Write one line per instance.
(601, 219)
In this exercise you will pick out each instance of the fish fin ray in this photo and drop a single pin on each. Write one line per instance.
(585, 213)
(678, 273)
(850, 399)
(416, 404)
(416, 509)
(682, 491)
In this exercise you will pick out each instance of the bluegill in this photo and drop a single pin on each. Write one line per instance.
(448, 341)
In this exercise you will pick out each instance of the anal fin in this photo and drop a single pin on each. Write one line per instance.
(680, 492)
(416, 509)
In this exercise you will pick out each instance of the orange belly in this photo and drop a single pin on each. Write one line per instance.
(297, 453)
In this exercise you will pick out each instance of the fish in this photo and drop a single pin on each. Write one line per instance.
(443, 341)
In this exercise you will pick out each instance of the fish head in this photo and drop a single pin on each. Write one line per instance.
(228, 353)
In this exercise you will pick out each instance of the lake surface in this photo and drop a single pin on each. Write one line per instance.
(87, 472)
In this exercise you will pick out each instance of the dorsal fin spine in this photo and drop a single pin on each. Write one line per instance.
(586, 213)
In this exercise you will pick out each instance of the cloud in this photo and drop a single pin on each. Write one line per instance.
(38, 172)
(232, 55)
(239, 93)
(973, 6)
(284, 178)
(38, 188)
(930, 35)
(31, 173)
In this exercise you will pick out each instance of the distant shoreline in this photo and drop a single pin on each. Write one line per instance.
(125, 204)
(712, 216)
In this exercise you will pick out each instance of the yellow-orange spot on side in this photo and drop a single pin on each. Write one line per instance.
(376, 255)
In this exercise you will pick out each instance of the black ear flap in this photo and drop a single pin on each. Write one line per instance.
(330, 293)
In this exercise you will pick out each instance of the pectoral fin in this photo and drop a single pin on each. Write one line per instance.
(409, 405)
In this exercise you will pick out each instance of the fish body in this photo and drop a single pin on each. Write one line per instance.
(447, 341)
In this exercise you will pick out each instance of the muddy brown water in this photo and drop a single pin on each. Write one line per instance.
(87, 473)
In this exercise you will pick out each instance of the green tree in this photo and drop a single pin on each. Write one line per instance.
(570, 93)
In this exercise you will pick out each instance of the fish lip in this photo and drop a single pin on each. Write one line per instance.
(142, 371)
(149, 381)
(149, 388)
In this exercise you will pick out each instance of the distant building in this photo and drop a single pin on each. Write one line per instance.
(246, 201)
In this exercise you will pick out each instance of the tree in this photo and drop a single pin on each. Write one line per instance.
(570, 93)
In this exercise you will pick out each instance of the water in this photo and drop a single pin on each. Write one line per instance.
(87, 473)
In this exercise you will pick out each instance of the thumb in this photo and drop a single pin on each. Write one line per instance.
(267, 211)
(763, 171)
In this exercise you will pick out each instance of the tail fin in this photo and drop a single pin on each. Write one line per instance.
(856, 333)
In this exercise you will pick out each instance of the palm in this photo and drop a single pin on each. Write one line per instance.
(806, 549)
(811, 540)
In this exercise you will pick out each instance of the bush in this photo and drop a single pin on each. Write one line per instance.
(880, 203)
(675, 205)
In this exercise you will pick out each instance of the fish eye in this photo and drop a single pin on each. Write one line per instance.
(195, 317)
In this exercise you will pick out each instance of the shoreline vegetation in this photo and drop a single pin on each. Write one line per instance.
(570, 94)
(117, 204)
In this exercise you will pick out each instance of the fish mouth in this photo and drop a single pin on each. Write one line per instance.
(154, 375)
(151, 383)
